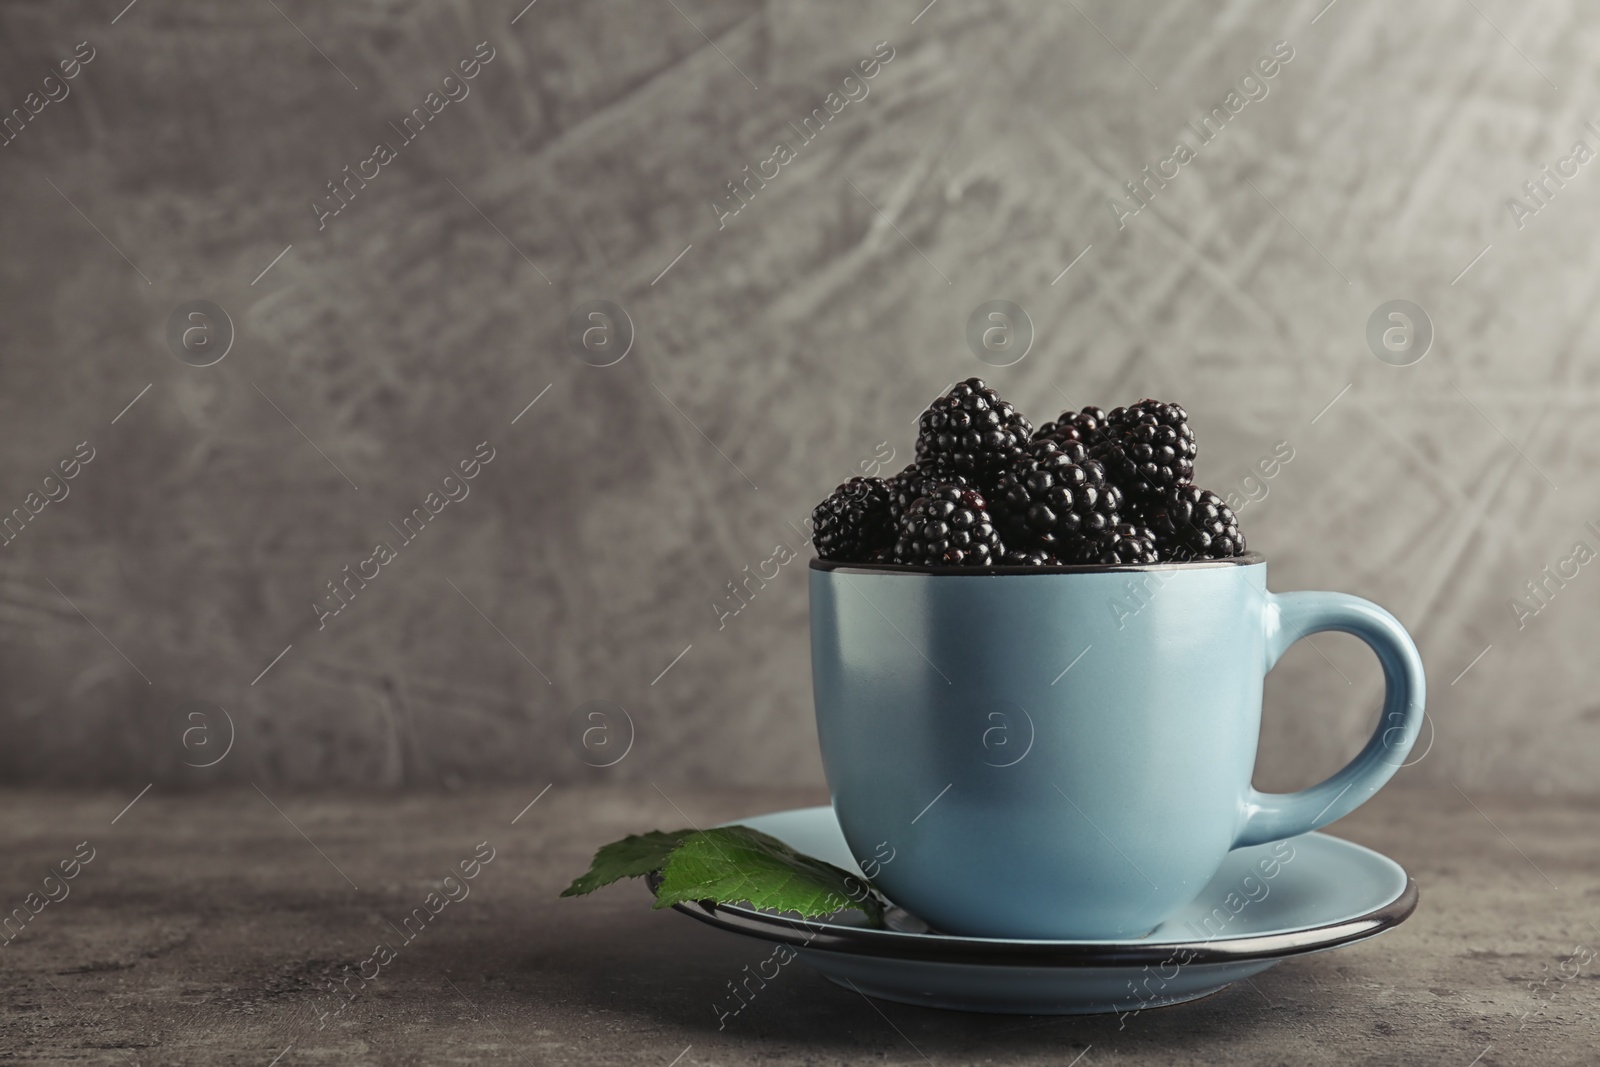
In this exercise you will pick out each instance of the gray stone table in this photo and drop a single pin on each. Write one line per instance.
(206, 925)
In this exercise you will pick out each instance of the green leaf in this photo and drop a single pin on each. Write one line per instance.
(633, 857)
(733, 864)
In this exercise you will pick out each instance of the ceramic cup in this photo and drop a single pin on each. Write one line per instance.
(1066, 753)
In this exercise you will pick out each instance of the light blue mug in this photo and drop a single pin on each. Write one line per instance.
(1066, 753)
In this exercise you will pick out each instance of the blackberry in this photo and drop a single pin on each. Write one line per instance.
(948, 527)
(912, 483)
(1192, 523)
(1087, 425)
(1148, 448)
(1052, 497)
(854, 521)
(970, 431)
(1030, 557)
(1122, 543)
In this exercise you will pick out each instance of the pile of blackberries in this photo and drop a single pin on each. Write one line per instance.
(988, 490)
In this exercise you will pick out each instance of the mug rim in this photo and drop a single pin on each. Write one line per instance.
(1249, 559)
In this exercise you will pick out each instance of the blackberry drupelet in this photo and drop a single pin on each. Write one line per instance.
(1148, 449)
(950, 526)
(1053, 496)
(1192, 523)
(970, 431)
(854, 522)
(1122, 543)
(1087, 425)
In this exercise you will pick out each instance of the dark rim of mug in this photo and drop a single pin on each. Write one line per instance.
(1246, 560)
(948, 948)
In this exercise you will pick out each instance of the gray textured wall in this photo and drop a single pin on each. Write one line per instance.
(777, 353)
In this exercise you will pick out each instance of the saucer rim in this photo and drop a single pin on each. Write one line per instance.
(956, 948)
(950, 948)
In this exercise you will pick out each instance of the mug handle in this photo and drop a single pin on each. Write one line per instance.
(1290, 616)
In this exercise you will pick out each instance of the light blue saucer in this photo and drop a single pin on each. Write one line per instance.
(1267, 903)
